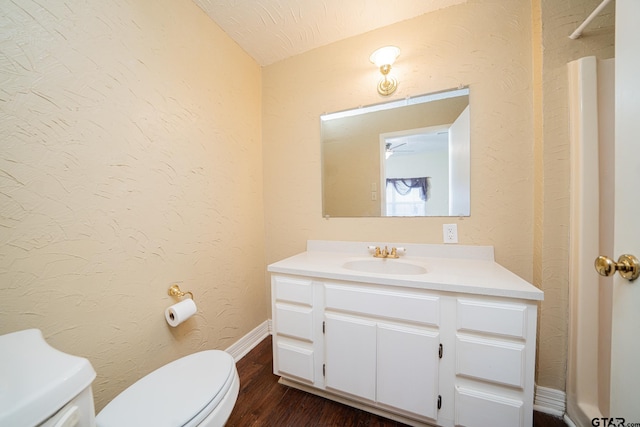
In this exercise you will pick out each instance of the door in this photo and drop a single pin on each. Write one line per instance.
(625, 340)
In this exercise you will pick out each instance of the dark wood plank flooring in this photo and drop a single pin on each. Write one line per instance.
(264, 402)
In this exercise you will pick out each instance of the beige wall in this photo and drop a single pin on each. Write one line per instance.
(551, 259)
(516, 70)
(130, 159)
(483, 44)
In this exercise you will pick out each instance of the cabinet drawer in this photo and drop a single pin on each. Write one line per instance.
(294, 361)
(490, 360)
(476, 408)
(296, 290)
(294, 321)
(492, 317)
(407, 306)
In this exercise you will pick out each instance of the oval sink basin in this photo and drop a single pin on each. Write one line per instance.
(384, 266)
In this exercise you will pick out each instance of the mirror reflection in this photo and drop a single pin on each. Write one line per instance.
(403, 158)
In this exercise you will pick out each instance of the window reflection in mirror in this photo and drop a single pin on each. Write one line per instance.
(403, 158)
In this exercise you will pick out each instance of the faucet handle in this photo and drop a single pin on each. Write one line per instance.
(377, 252)
(396, 252)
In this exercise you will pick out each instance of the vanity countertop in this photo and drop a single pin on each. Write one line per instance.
(464, 269)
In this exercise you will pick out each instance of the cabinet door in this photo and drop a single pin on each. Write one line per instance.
(407, 369)
(350, 362)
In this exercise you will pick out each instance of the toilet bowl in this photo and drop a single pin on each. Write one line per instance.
(41, 386)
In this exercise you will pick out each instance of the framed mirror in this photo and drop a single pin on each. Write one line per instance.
(402, 158)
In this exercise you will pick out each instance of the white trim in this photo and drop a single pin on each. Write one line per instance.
(245, 344)
(568, 421)
(446, 94)
(550, 401)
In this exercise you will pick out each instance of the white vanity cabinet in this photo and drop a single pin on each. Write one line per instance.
(451, 347)
(382, 344)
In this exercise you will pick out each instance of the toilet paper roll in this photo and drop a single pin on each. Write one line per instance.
(178, 313)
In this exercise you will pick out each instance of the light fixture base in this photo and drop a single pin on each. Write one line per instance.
(387, 85)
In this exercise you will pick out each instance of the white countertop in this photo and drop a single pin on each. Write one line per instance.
(465, 269)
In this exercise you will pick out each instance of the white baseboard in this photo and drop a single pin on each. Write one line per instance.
(245, 344)
(568, 421)
(550, 401)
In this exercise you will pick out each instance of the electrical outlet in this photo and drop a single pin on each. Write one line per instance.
(450, 233)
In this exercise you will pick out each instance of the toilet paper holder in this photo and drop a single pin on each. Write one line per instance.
(175, 291)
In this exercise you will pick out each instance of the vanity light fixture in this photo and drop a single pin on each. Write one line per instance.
(384, 59)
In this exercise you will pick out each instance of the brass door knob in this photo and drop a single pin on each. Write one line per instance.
(627, 265)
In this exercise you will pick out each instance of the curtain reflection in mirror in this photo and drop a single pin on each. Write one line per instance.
(407, 196)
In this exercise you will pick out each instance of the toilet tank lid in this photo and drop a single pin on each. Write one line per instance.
(36, 380)
(174, 394)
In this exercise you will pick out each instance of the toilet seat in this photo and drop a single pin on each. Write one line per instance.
(182, 393)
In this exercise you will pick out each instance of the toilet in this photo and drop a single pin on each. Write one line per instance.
(44, 387)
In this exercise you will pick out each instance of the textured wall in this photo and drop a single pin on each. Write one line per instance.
(130, 159)
(552, 172)
(289, 27)
(483, 44)
(515, 65)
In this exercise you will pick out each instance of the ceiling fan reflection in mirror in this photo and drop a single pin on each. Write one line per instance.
(390, 149)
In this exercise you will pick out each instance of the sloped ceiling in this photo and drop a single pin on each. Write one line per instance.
(272, 30)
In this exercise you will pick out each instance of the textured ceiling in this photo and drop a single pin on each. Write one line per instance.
(272, 30)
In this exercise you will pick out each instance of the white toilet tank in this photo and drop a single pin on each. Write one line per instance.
(42, 386)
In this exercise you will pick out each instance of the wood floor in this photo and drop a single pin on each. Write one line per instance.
(264, 402)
